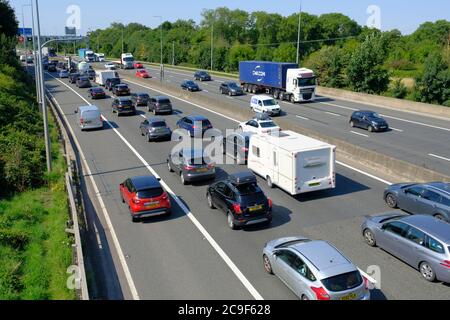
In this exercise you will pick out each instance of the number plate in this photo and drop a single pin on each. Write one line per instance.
(202, 170)
(152, 205)
(349, 297)
(312, 185)
(256, 208)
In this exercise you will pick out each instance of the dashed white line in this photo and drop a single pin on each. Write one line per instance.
(438, 157)
(304, 118)
(398, 130)
(333, 114)
(360, 134)
(338, 106)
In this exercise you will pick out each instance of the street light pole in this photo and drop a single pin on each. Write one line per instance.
(36, 65)
(43, 102)
(299, 31)
(122, 39)
(212, 45)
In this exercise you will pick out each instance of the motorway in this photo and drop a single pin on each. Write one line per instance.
(417, 139)
(193, 254)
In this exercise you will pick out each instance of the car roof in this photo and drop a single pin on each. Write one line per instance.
(123, 98)
(145, 183)
(155, 119)
(89, 108)
(161, 98)
(97, 88)
(263, 97)
(441, 187)
(196, 117)
(434, 227)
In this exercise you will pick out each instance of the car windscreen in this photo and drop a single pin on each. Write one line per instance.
(159, 124)
(306, 82)
(233, 85)
(269, 124)
(270, 103)
(343, 282)
(190, 83)
(372, 115)
(122, 86)
(150, 193)
(84, 79)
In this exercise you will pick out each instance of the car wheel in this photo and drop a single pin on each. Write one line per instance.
(305, 298)
(221, 91)
(210, 202)
(269, 183)
(440, 217)
(267, 264)
(154, 112)
(121, 196)
(352, 124)
(370, 238)
(231, 221)
(370, 129)
(391, 201)
(427, 272)
(149, 139)
(169, 166)
(230, 93)
(134, 219)
(183, 179)
(142, 133)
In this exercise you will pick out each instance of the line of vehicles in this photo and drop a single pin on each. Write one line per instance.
(312, 269)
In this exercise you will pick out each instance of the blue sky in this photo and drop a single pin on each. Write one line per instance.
(405, 15)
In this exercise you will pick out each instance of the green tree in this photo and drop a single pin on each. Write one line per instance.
(8, 21)
(238, 53)
(365, 71)
(434, 85)
(329, 64)
(399, 90)
(285, 53)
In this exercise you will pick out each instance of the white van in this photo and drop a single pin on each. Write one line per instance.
(265, 104)
(102, 76)
(295, 163)
(89, 117)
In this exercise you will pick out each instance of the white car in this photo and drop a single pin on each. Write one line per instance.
(265, 104)
(260, 125)
(110, 66)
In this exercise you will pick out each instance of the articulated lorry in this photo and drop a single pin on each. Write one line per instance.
(284, 81)
(126, 61)
(86, 54)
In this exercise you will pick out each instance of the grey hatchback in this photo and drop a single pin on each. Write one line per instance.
(191, 165)
(421, 241)
(429, 198)
(154, 129)
(315, 270)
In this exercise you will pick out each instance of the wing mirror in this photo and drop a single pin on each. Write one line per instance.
(76, 111)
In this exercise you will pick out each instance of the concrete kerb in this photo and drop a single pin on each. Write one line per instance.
(396, 168)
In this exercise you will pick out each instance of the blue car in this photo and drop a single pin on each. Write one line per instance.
(190, 85)
(64, 74)
(195, 124)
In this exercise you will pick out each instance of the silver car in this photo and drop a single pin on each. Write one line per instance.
(421, 241)
(315, 270)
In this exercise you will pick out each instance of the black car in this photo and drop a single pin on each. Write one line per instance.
(121, 90)
(155, 129)
(191, 165)
(202, 76)
(368, 120)
(236, 145)
(73, 77)
(241, 199)
(96, 93)
(83, 82)
(140, 99)
(231, 88)
(190, 86)
(111, 83)
(160, 104)
(91, 74)
(51, 68)
(123, 106)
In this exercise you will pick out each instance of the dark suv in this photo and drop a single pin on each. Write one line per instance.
(111, 83)
(121, 90)
(427, 199)
(83, 82)
(241, 199)
(73, 77)
(231, 88)
(123, 106)
(191, 165)
(140, 99)
(202, 76)
(160, 104)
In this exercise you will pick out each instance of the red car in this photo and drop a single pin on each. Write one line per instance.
(145, 197)
(138, 65)
(142, 74)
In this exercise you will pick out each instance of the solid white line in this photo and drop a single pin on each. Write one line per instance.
(439, 157)
(116, 242)
(338, 106)
(189, 214)
(360, 134)
(302, 118)
(333, 114)
(398, 130)
(364, 173)
(206, 91)
(415, 122)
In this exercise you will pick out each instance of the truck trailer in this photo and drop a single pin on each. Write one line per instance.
(284, 81)
(86, 54)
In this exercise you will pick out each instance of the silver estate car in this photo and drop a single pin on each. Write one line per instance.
(314, 270)
(421, 241)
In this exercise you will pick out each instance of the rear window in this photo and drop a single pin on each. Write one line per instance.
(206, 124)
(159, 124)
(164, 101)
(91, 114)
(144, 96)
(150, 193)
(268, 124)
(248, 189)
(126, 102)
(197, 161)
(343, 282)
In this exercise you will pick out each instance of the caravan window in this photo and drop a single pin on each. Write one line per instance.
(256, 152)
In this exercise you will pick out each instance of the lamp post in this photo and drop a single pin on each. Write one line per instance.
(161, 59)
(299, 31)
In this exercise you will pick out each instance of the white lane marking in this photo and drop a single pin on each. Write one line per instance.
(360, 134)
(439, 157)
(398, 130)
(333, 114)
(189, 214)
(206, 91)
(304, 118)
(116, 242)
(390, 117)
(364, 173)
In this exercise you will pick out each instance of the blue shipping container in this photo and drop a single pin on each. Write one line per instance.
(265, 73)
(82, 53)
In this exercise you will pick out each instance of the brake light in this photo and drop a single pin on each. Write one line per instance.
(270, 203)
(211, 165)
(237, 208)
(446, 264)
(321, 294)
(189, 168)
(244, 149)
(165, 196)
(194, 127)
(136, 201)
(81, 120)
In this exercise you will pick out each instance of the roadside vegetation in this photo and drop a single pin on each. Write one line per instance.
(35, 251)
(358, 58)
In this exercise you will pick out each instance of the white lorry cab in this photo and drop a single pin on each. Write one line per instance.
(100, 57)
(102, 76)
(301, 83)
(295, 163)
(265, 104)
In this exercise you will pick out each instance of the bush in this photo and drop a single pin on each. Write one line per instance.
(399, 90)
(446, 103)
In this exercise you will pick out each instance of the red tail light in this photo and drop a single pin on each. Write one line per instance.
(270, 203)
(446, 264)
(194, 127)
(165, 196)
(81, 120)
(321, 294)
(136, 201)
(189, 168)
(211, 165)
(244, 149)
(237, 208)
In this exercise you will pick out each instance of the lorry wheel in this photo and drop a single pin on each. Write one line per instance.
(292, 98)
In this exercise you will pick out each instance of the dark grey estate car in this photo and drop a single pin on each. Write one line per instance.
(231, 88)
(160, 104)
(123, 106)
(429, 198)
(421, 241)
(154, 129)
(140, 99)
(191, 165)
